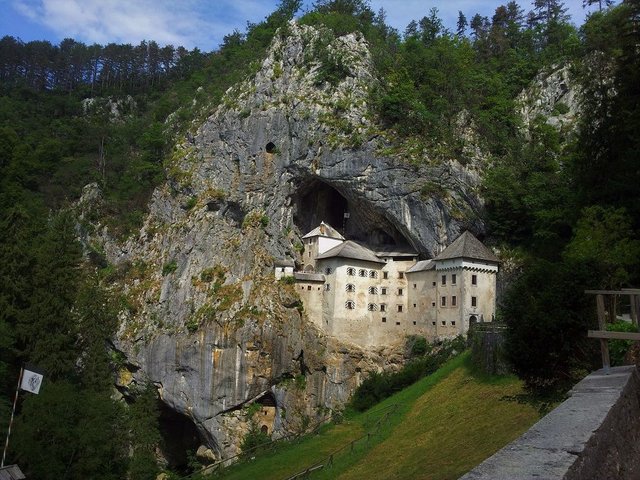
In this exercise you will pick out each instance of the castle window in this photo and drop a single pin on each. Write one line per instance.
(383, 291)
(433, 323)
(350, 304)
(397, 323)
(372, 307)
(474, 279)
(373, 290)
(444, 279)
(383, 307)
(373, 274)
(453, 323)
(362, 273)
(433, 284)
(351, 271)
(282, 269)
(443, 301)
(399, 308)
(444, 324)
(350, 287)
(415, 305)
(385, 275)
(384, 319)
(453, 279)
(399, 291)
(414, 323)
(308, 287)
(415, 285)
(454, 301)
(433, 304)
(327, 287)
(328, 270)
(474, 301)
(400, 274)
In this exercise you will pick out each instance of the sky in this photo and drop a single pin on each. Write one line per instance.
(196, 23)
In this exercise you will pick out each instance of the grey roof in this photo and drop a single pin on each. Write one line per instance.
(284, 263)
(351, 249)
(395, 251)
(467, 246)
(422, 266)
(324, 230)
(309, 277)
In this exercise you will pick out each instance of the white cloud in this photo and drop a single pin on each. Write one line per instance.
(184, 22)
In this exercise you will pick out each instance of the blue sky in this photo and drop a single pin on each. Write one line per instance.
(194, 23)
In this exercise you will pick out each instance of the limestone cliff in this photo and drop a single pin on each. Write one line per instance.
(292, 146)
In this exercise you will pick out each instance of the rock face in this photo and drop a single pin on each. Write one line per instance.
(292, 146)
(555, 96)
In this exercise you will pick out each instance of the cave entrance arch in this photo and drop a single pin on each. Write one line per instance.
(356, 218)
(180, 438)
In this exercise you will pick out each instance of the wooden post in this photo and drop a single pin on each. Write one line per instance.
(604, 347)
(633, 300)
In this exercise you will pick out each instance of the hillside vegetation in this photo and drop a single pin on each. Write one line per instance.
(562, 206)
(439, 428)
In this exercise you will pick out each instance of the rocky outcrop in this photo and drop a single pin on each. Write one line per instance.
(554, 95)
(290, 147)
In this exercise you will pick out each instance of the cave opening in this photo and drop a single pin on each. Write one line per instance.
(180, 439)
(317, 201)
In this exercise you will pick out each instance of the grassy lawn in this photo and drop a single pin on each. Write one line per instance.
(454, 426)
(443, 426)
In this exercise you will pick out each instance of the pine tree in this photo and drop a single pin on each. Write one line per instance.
(461, 26)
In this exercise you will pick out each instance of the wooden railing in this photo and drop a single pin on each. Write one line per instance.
(603, 334)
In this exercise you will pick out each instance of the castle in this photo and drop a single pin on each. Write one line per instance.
(375, 296)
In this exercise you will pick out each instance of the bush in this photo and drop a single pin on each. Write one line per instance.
(618, 348)
(548, 315)
(169, 267)
(379, 386)
(254, 439)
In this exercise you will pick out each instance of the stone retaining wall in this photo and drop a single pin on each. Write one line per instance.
(594, 434)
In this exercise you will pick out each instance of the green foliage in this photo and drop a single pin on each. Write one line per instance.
(604, 237)
(378, 386)
(618, 349)
(68, 432)
(548, 315)
(143, 418)
(418, 345)
(169, 267)
(254, 438)
(192, 202)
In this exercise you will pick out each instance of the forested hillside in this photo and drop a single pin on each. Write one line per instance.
(562, 206)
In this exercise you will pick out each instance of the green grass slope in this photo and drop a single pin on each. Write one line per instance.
(443, 426)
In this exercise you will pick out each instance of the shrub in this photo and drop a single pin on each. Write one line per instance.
(618, 348)
(169, 267)
(379, 386)
(254, 439)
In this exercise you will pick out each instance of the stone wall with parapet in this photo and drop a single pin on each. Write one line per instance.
(594, 434)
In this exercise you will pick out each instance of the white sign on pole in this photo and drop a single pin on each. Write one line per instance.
(31, 381)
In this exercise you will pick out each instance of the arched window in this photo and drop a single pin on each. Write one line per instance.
(373, 274)
(373, 290)
(372, 307)
(350, 304)
(350, 287)
(351, 271)
(362, 272)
